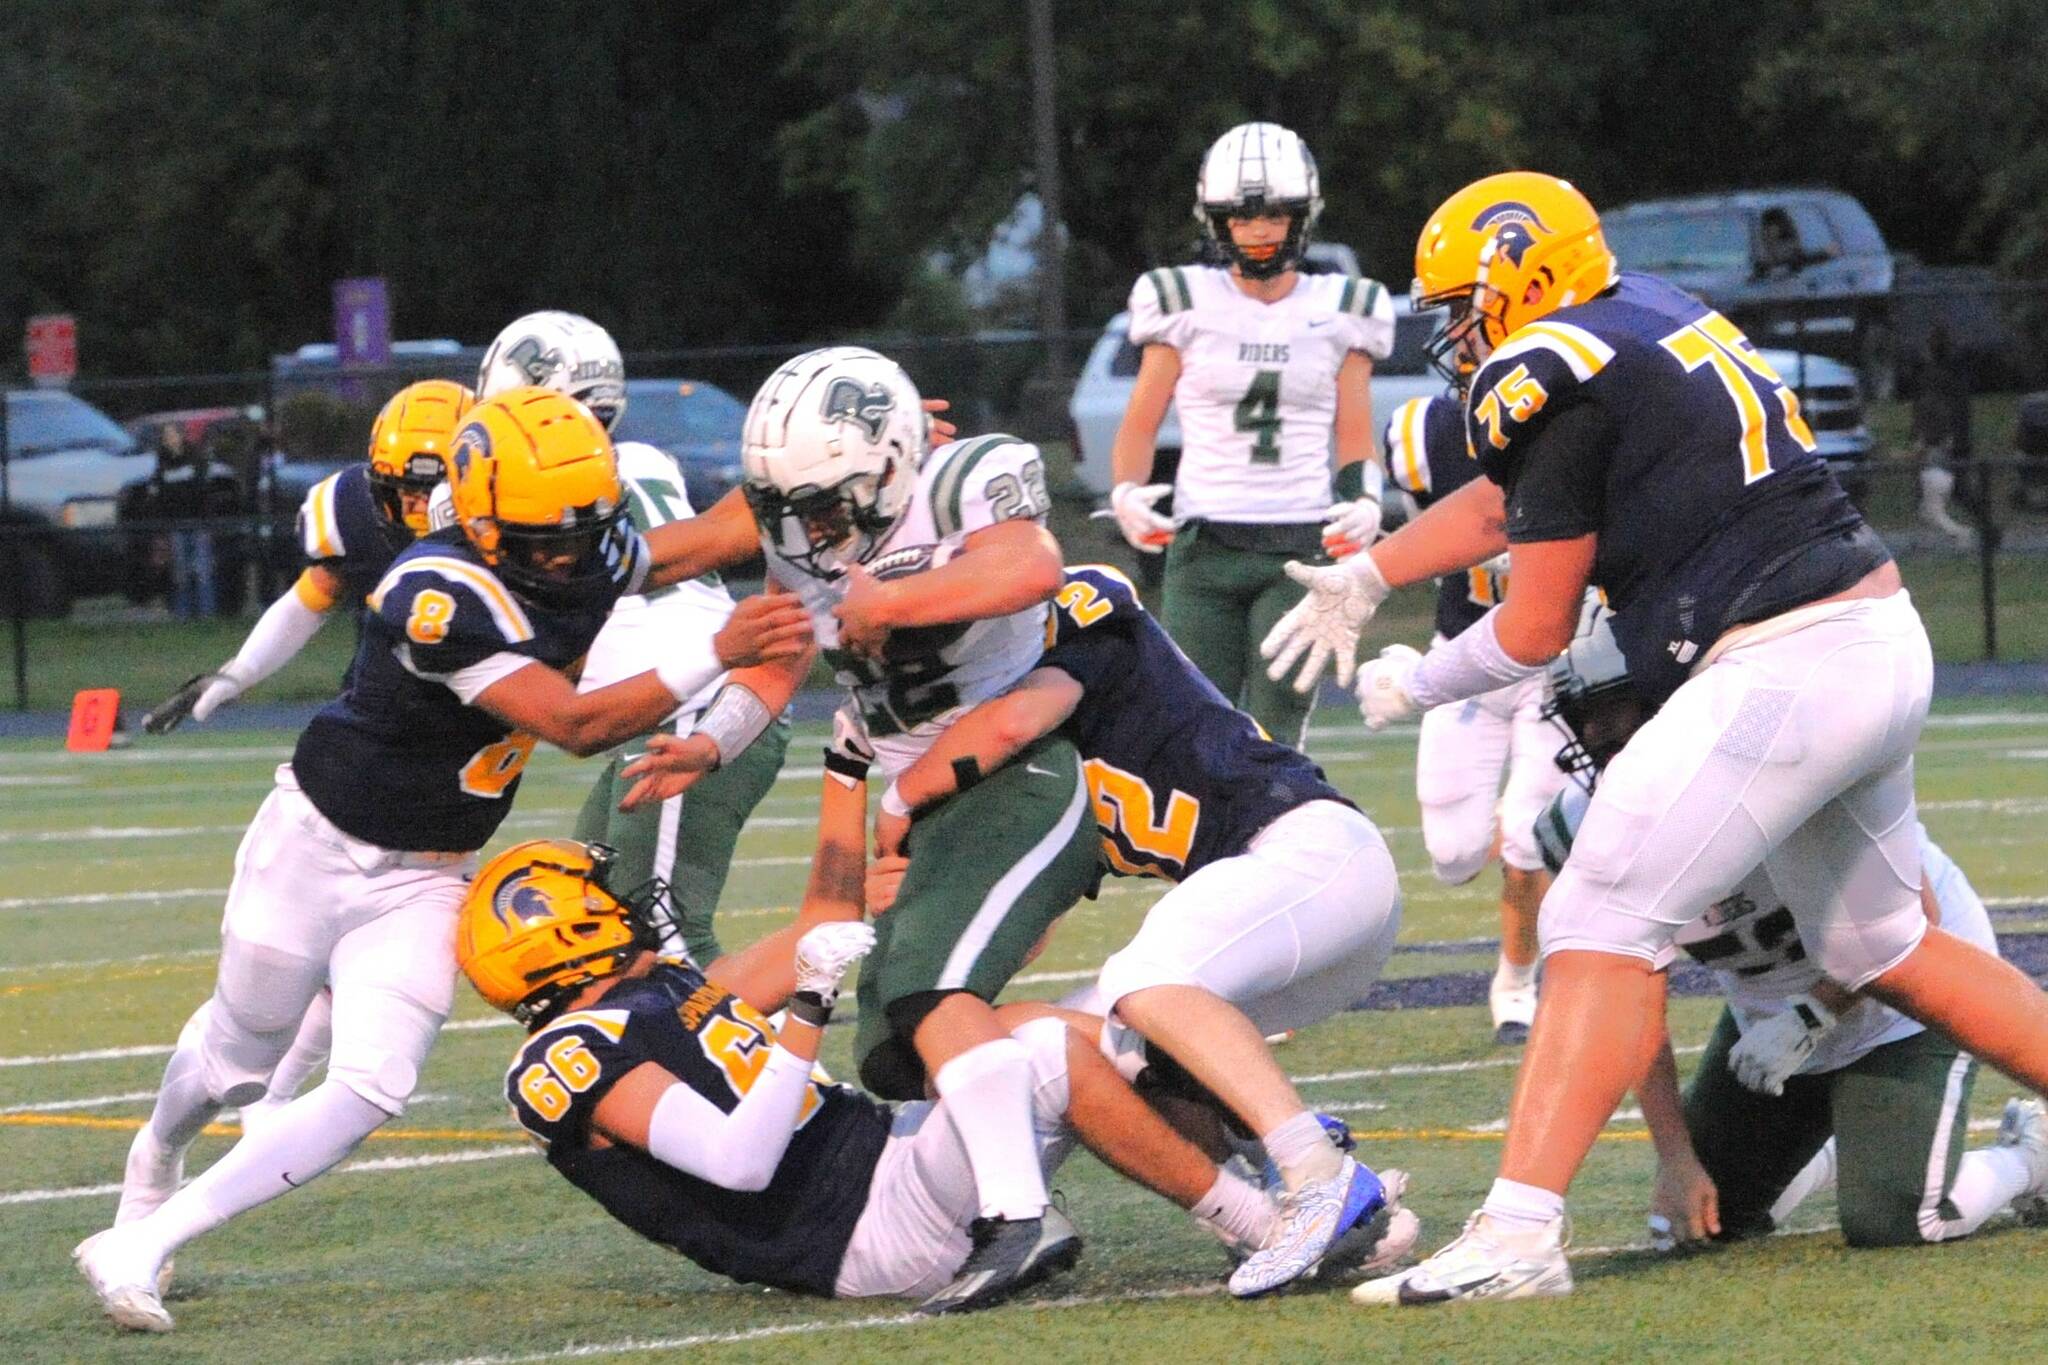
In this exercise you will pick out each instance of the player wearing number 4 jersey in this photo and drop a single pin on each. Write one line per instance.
(1633, 438)
(353, 869)
(1269, 369)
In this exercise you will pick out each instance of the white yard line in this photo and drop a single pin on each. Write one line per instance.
(125, 833)
(89, 1102)
(111, 897)
(386, 1163)
(81, 963)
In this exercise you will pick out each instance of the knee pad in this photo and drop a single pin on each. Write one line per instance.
(1460, 843)
(248, 1025)
(379, 1046)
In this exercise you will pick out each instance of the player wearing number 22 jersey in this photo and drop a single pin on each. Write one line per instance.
(353, 870)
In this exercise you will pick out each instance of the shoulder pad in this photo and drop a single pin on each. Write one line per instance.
(1516, 390)
(985, 480)
(1091, 595)
(1406, 443)
(320, 523)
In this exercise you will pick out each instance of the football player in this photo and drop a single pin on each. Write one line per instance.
(1284, 909)
(353, 869)
(1804, 1084)
(1269, 370)
(351, 526)
(927, 577)
(1633, 437)
(692, 855)
(1464, 750)
(665, 1094)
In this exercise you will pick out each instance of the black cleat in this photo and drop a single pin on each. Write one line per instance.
(1010, 1255)
(1514, 1033)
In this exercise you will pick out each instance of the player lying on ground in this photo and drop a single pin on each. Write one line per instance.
(355, 866)
(664, 1094)
(1285, 908)
(1468, 817)
(1804, 1085)
(926, 577)
(1634, 438)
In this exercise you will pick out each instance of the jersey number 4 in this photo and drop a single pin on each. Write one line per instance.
(1750, 382)
(1258, 415)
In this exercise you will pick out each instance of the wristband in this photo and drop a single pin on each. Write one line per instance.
(810, 1008)
(735, 719)
(966, 772)
(1349, 481)
(691, 669)
(893, 802)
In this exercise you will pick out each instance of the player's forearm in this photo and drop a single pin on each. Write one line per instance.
(1457, 531)
(721, 536)
(741, 1149)
(586, 723)
(1663, 1109)
(1132, 451)
(1002, 570)
(839, 862)
(285, 628)
(987, 737)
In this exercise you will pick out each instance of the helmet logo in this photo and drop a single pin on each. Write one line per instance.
(533, 359)
(516, 900)
(1514, 219)
(471, 440)
(867, 406)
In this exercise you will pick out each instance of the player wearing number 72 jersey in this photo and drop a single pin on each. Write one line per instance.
(353, 869)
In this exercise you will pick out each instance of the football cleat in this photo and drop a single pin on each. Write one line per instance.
(1375, 1245)
(124, 1291)
(2024, 1126)
(1312, 1218)
(1514, 1010)
(1010, 1255)
(1483, 1263)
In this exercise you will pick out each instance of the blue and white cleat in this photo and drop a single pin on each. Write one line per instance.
(1311, 1219)
(1483, 1263)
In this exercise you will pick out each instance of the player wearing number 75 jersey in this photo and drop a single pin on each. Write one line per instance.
(1269, 369)
(1634, 439)
(352, 872)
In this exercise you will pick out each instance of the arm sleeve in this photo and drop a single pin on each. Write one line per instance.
(1160, 307)
(736, 1150)
(282, 631)
(1560, 490)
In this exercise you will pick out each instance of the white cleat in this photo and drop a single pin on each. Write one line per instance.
(2024, 1126)
(1311, 1221)
(125, 1291)
(1484, 1263)
(1514, 1010)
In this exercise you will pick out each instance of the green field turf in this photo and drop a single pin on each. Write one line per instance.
(451, 1240)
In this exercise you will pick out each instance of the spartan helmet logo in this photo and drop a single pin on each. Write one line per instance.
(1514, 220)
(534, 360)
(472, 440)
(869, 406)
(516, 900)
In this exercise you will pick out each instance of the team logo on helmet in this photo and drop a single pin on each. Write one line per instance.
(534, 360)
(1513, 219)
(868, 406)
(516, 900)
(471, 440)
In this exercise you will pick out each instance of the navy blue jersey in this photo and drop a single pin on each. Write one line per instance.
(399, 759)
(1647, 418)
(791, 1235)
(1179, 776)
(1428, 459)
(342, 531)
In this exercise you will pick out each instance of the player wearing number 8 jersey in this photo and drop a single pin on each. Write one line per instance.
(352, 871)
(1268, 369)
(1633, 438)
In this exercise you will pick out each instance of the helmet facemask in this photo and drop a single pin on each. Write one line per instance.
(579, 561)
(823, 530)
(1261, 263)
(647, 912)
(419, 474)
(1472, 320)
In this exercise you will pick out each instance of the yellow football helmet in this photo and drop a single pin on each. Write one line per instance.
(540, 922)
(536, 489)
(1503, 252)
(409, 447)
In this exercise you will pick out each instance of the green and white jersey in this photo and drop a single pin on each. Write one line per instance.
(646, 625)
(1257, 394)
(932, 674)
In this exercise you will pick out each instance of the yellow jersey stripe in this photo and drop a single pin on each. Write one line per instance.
(1582, 352)
(1411, 470)
(323, 535)
(504, 608)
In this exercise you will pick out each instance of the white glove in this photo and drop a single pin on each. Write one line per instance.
(1349, 527)
(1383, 687)
(825, 953)
(1341, 599)
(223, 689)
(1775, 1047)
(1137, 516)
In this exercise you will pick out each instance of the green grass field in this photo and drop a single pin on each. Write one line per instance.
(448, 1239)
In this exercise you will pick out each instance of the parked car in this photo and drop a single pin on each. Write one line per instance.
(1804, 268)
(67, 464)
(698, 423)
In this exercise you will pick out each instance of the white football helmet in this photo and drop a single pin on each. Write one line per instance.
(1259, 168)
(566, 352)
(831, 449)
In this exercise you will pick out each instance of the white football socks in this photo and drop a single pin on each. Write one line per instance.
(1815, 1176)
(1302, 1151)
(987, 1090)
(1987, 1179)
(1238, 1212)
(1514, 976)
(1514, 1207)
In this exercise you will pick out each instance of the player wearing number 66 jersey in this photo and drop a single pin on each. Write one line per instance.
(353, 869)
(1634, 439)
(1269, 370)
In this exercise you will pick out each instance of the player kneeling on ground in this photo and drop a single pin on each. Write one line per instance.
(663, 1093)
(1804, 1084)
(1284, 911)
